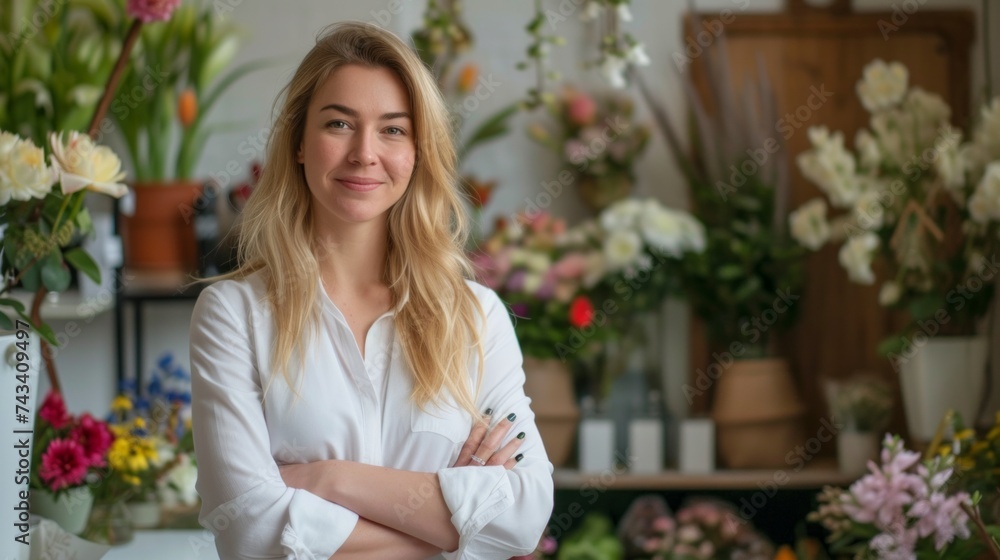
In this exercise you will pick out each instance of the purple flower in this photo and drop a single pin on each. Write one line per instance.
(520, 309)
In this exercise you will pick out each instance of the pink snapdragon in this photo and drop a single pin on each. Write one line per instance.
(148, 11)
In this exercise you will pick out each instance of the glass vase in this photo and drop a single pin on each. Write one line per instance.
(110, 523)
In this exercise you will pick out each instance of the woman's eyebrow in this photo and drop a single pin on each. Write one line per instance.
(352, 113)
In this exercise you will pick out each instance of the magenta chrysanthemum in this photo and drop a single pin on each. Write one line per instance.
(63, 464)
(94, 437)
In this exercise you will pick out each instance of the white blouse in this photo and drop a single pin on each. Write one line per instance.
(349, 408)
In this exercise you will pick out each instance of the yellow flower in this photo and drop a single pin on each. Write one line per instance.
(131, 479)
(944, 450)
(965, 434)
(994, 434)
(121, 404)
(979, 447)
(139, 423)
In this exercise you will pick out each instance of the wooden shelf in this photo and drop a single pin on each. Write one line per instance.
(816, 475)
(66, 305)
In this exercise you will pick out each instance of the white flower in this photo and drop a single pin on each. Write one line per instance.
(694, 232)
(868, 150)
(808, 224)
(984, 204)
(621, 215)
(831, 167)
(882, 85)
(613, 70)
(950, 161)
(179, 484)
(85, 165)
(537, 261)
(532, 282)
(621, 249)
(869, 212)
(929, 108)
(23, 173)
(985, 145)
(591, 11)
(637, 55)
(624, 13)
(856, 256)
(661, 229)
(889, 294)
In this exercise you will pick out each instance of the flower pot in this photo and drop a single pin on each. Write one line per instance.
(854, 450)
(70, 511)
(601, 191)
(549, 385)
(160, 233)
(757, 414)
(946, 373)
(145, 514)
(110, 523)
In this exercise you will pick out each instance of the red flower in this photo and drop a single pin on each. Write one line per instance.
(63, 464)
(581, 312)
(94, 437)
(54, 411)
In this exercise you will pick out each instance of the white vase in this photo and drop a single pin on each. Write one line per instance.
(16, 436)
(946, 373)
(854, 450)
(70, 511)
(145, 515)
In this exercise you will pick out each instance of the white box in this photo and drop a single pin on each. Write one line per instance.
(697, 446)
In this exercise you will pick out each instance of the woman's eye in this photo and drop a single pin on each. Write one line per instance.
(395, 130)
(336, 124)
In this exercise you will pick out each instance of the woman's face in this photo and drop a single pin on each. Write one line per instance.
(358, 146)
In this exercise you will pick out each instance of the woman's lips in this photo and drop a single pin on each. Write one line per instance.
(359, 187)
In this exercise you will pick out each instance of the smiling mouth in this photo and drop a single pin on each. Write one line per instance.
(359, 187)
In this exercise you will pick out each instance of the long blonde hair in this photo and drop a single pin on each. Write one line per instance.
(426, 265)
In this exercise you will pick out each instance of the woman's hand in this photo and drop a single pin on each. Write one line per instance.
(483, 449)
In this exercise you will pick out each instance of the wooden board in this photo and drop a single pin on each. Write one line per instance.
(806, 50)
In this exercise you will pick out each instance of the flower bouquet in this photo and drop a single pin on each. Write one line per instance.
(977, 462)
(598, 139)
(705, 530)
(902, 509)
(65, 451)
(913, 196)
(546, 283)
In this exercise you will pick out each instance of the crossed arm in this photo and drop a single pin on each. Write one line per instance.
(388, 527)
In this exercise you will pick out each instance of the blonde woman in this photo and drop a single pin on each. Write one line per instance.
(355, 396)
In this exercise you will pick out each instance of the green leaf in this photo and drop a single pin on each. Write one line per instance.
(43, 330)
(730, 272)
(55, 273)
(83, 221)
(891, 345)
(6, 323)
(748, 288)
(84, 263)
(16, 304)
(32, 279)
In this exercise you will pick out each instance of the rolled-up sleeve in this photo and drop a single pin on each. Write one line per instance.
(501, 513)
(245, 503)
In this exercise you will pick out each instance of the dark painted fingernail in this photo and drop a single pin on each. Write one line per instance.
(519, 457)
(489, 412)
(511, 417)
(520, 435)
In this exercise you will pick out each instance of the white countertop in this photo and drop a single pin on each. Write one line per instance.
(164, 544)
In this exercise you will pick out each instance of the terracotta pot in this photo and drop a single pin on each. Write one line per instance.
(757, 414)
(160, 234)
(549, 385)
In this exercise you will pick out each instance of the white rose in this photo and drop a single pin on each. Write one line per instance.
(882, 85)
(621, 249)
(85, 165)
(856, 257)
(808, 224)
(889, 294)
(984, 204)
(621, 215)
(23, 173)
(661, 229)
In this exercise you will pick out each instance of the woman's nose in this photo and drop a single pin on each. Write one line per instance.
(362, 149)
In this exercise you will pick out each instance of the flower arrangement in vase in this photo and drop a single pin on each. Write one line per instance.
(913, 196)
(598, 139)
(66, 450)
(903, 508)
(863, 406)
(704, 529)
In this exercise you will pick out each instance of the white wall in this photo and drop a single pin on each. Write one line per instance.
(286, 30)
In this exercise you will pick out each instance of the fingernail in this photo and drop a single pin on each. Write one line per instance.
(511, 417)
(520, 435)
(489, 412)
(519, 457)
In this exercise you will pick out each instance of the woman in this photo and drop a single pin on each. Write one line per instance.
(342, 373)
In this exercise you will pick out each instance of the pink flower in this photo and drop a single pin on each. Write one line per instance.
(573, 265)
(54, 411)
(581, 109)
(63, 464)
(151, 10)
(94, 437)
(576, 151)
(548, 545)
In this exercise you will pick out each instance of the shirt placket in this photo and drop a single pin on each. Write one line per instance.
(375, 364)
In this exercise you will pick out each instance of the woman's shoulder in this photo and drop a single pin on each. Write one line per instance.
(486, 296)
(237, 294)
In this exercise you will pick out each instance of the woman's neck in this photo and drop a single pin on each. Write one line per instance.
(353, 258)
